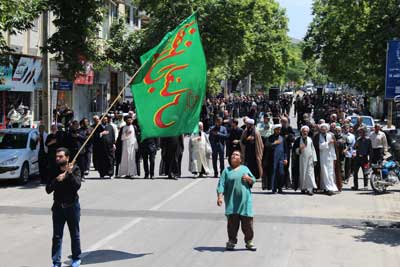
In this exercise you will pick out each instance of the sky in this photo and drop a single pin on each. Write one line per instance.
(299, 13)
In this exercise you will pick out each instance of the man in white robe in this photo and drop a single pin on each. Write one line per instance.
(305, 158)
(130, 145)
(324, 143)
(199, 152)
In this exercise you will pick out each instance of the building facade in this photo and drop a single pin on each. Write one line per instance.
(21, 82)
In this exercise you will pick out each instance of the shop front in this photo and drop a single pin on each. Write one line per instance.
(18, 82)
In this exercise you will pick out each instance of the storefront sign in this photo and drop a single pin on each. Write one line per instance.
(26, 74)
(23, 78)
(62, 86)
(6, 77)
(393, 70)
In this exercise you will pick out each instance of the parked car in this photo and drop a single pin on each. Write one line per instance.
(367, 120)
(19, 153)
(288, 92)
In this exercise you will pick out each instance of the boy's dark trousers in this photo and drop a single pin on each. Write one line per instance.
(234, 220)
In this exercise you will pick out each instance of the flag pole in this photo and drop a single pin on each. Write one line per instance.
(106, 112)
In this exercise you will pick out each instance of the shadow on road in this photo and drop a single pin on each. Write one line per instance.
(379, 234)
(216, 249)
(33, 182)
(102, 256)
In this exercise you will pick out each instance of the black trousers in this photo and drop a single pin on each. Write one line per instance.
(43, 171)
(234, 221)
(218, 153)
(137, 160)
(81, 160)
(88, 159)
(71, 216)
(348, 162)
(359, 162)
(377, 155)
(148, 157)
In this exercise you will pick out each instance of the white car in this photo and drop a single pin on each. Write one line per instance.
(367, 120)
(19, 153)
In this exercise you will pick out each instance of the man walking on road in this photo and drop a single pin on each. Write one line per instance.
(104, 145)
(65, 181)
(304, 157)
(363, 148)
(235, 186)
(218, 136)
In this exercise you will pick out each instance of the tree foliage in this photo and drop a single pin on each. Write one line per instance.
(17, 16)
(349, 38)
(76, 37)
(296, 71)
(239, 37)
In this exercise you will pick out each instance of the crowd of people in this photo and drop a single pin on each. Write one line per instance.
(329, 151)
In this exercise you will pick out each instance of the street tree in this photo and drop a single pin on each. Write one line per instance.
(349, 38)
(17, 16)
(239, 37)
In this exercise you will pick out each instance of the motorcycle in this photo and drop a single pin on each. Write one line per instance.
(384, 175)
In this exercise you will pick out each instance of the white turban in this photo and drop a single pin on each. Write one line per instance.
(250, 121)
(304, 127)
(275, 126)
(324, 125)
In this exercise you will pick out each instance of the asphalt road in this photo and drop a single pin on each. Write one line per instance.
(167, 223)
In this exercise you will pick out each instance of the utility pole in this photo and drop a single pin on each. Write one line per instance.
(249, 83)
(46, 89)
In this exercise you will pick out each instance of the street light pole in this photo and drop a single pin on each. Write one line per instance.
(46, 90)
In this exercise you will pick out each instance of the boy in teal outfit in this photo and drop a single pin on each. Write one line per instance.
(234, 187)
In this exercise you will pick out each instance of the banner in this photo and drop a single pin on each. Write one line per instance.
(392, 87)
(25, 76)
(170, 88)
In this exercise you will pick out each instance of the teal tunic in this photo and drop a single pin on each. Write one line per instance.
(237, 194)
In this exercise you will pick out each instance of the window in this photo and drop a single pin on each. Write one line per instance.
(135, 17)
(114, 12)
(128, 15)
(13, 140)
(35, 25)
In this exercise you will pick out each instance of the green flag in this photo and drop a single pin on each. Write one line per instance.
(170, 88)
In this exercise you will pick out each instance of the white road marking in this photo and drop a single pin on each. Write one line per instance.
(132, 223)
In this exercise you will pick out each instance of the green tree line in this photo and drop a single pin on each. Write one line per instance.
(348, 39)
(240, 37)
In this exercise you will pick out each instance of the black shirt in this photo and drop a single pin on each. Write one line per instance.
(66, 191)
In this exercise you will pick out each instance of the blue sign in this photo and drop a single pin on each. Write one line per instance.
(393, 70)
(62, 86)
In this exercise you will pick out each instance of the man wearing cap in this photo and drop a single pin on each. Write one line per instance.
(252, 148)
(324, 144)
(275, 161)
